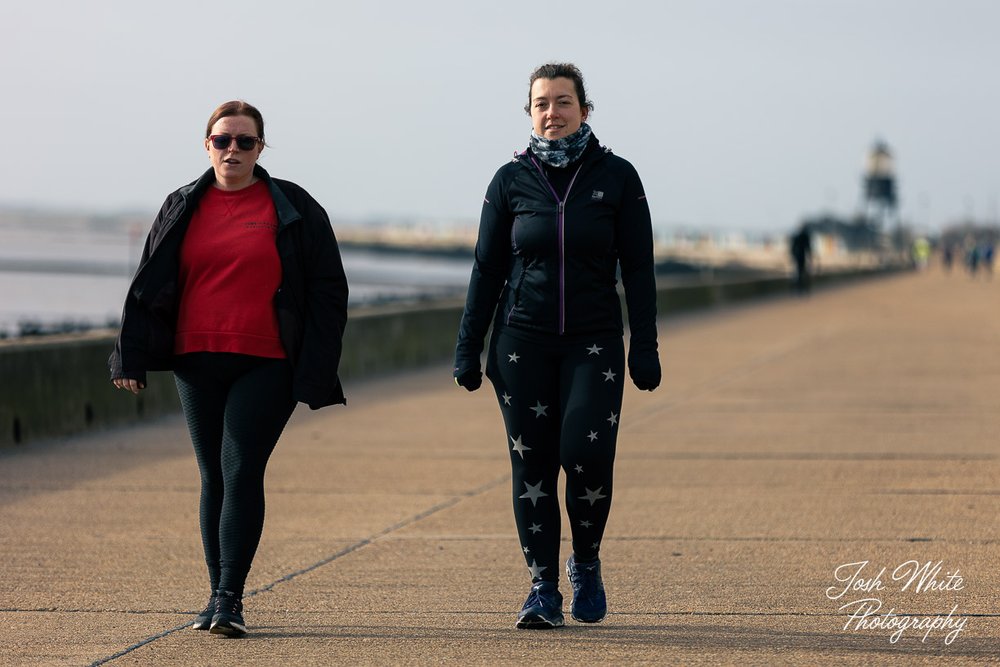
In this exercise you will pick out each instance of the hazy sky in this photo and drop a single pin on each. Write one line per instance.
(738, 114)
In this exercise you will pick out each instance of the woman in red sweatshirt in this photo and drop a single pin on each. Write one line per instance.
(241, 293)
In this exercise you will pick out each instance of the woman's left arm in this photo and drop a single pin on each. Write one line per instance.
(635, 253)
(326, 295)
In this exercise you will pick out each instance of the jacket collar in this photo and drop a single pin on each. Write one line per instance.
(197, 189)
(286, 213)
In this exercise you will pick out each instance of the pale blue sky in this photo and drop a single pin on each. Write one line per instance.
(737, 114)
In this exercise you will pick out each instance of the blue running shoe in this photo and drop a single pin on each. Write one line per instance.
(590, 605)
(543, 608)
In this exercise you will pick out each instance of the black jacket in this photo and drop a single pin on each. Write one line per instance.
(311, 303)
(546, 260)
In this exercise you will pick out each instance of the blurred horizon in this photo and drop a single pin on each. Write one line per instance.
(737, 116)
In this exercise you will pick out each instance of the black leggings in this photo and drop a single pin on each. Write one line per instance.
(561, 403)
(236, 407)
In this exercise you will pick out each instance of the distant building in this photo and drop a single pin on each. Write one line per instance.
(869, 229)
(856, 235)
(879, 187)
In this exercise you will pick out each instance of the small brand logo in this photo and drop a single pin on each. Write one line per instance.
(270, 226)
(598, 195)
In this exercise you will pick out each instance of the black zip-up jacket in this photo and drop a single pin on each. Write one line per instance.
(546, 260)
(311, 302)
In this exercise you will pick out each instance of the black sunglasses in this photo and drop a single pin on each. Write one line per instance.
(244, 142)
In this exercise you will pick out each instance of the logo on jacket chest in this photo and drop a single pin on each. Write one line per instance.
(597, 195)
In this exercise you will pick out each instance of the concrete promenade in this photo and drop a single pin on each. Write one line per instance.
(790, 438)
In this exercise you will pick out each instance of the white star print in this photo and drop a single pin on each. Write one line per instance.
(592, 436)
(593, 349)
(539, 409)
(519, 447)
(586, 524)
(506, 398)
(536, 569)
(609, 375)
(527, 550)
(535, 492)
(536, 528)
(578, 468)
(513, 358)
(595, 545)
(592, 496)
(613, 419)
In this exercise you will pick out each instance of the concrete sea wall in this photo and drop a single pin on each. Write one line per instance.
(58, 385)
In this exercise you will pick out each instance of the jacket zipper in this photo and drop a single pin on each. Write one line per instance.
(561, 231)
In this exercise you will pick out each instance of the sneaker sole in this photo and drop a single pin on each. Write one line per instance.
(198, 625)
(587, 620)
(536, 622)
(229, 630)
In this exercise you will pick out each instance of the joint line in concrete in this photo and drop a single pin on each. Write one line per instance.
(329, 559)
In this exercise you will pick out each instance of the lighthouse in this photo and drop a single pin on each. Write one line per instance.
(879, 187)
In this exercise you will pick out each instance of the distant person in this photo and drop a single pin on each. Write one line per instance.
(986, 249)
(971, 256)
(240, 291)
(800, 247)
(921, 253)
(557, 221)
(947, 257)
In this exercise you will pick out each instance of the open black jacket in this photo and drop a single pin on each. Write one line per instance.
(546, 260)
(311, 303)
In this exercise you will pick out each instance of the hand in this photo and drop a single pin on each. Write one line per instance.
(645, 371)
(471, 379)
(127, 383)
(645, 384)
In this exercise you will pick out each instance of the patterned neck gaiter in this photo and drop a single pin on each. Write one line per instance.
(561, 152)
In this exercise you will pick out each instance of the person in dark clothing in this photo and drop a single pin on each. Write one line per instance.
(800, 247)
(557, 222)
(241, 292)
(947, 257)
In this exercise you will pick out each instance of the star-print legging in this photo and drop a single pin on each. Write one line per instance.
(561, 401)
(236, 407)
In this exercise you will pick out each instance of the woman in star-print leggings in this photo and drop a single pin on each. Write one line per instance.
(561, 402)
(561, 224)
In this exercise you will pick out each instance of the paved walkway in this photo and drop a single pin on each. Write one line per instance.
(790, 438)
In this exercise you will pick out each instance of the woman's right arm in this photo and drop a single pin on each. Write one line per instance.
(489, 274)
(134, 379)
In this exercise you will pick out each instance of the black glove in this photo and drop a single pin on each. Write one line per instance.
(645, 370)
(470, 378)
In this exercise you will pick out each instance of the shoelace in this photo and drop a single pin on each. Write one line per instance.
(229, 604)
(581, 575)
(540, 597)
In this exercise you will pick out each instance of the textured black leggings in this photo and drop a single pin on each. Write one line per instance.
(236, 407)
(561, 403)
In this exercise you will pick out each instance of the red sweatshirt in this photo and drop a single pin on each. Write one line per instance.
(229, 273)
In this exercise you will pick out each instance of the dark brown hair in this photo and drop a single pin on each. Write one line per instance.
(554, 71)
(236, 108)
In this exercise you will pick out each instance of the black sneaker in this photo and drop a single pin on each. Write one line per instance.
(204, 620)
(590, 605)
(543, 608)
(228, 617)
